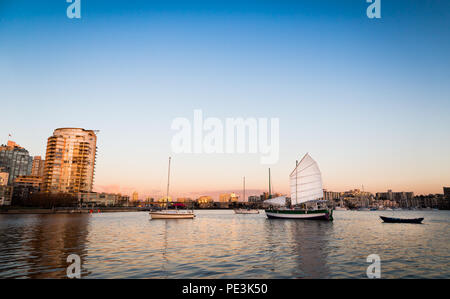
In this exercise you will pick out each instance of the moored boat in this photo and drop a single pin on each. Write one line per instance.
(171, 214)
(306, 195)
(323, 214)
(248, 210)
(401, 220)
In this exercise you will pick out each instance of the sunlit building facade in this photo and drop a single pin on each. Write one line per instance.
(205, 201)
(92, 199)
(185, 199)
(3, 178)
(28, 180)
(330, 195)
(14, 160)
(37, 168)
(228, 197)
(135, 196)
(70, 161)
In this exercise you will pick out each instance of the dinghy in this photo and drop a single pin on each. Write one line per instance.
(401, 220)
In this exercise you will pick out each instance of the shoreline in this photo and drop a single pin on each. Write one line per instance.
(65, 210)
(24, 210)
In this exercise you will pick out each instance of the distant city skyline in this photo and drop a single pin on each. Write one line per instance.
(369, 99)
(215, 193)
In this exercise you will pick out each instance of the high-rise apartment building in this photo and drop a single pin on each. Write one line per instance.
(14, 160)
(37, 168)
(70, 161)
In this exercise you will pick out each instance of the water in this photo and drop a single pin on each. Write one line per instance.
(220, 244)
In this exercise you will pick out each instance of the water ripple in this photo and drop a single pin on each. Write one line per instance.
(220, 244)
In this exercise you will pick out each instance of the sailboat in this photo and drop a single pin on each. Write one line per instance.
(306, 194)
(174, 214)
(248, 210)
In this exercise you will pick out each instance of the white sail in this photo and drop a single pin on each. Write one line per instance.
(306, 181)
(277, 201)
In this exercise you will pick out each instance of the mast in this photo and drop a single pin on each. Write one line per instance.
(296, 184)
(168, 183)
(244, 191)
(270, 191)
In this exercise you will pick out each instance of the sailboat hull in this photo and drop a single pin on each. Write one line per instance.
(171, 215)
(300, 214)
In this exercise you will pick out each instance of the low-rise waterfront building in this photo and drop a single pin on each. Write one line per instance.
(164, 201)
(24, 187)
(357, 193)
(149, 199)
(447, 192)
(6, 193)
(228, 197)
(254, 199)
(124, 200)
(185, 200)
(100, 199)
(264, 196)
(205, 201)
(396, 196)
(135, 196)
(331, 196)
(403, 199)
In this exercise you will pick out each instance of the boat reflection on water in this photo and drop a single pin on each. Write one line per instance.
(47, 241)
(307, 244)
(221, 244)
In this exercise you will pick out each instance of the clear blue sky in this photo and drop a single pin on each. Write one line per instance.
(368, 99)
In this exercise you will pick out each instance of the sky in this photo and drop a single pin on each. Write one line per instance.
(368, 99)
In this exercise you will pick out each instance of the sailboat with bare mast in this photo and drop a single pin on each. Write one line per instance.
(245, 211)
(174, 214)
